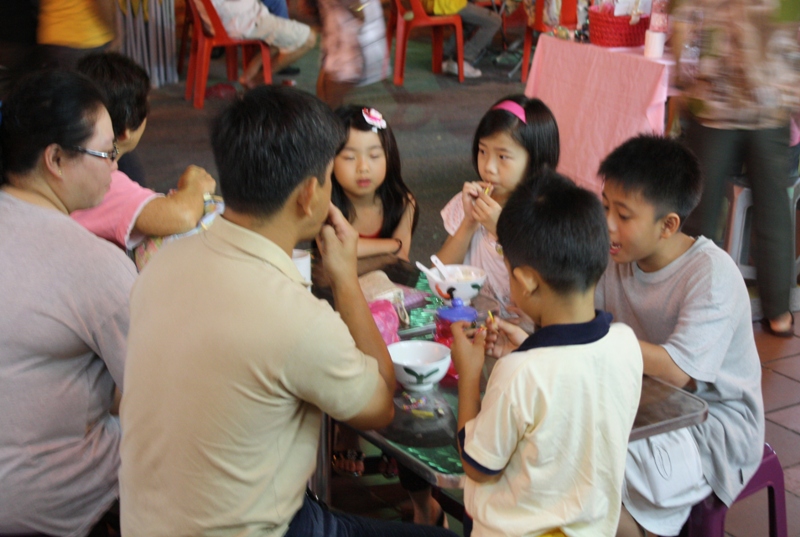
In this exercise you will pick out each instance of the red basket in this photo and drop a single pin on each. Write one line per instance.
(607, 30)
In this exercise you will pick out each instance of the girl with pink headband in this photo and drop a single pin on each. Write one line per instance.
(515, 139)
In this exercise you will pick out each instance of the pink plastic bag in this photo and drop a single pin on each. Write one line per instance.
(387, 320)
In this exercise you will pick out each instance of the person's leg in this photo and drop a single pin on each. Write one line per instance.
(291, 40)
(288, 56)
(487, 23)
(627, 525)
(426, 509)
(719, 155)
(315, 520)
(766, 154)
(357, 526)
(332, 93)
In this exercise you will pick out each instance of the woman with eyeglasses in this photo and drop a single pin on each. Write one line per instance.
(63, 311)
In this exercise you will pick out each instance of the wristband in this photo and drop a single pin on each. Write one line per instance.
(399, 245)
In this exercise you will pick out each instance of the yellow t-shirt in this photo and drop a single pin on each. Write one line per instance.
(72, 23)
(444, 7)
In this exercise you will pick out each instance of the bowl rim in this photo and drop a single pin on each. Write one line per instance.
(421, 343)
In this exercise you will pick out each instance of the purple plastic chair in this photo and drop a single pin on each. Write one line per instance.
(707, 518)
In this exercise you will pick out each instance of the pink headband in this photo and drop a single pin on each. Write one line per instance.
(513, 108)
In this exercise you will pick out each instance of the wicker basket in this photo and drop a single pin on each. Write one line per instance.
(607, 30)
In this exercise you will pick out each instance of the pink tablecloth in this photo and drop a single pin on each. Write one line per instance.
(600, 99)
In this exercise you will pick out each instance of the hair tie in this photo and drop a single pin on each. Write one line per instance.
(374, 118)
(513, 108)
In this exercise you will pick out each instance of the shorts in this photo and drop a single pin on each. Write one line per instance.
(663, 481)
(285, 34)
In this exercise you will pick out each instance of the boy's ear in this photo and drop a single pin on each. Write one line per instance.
(527, 278)
(670, 225)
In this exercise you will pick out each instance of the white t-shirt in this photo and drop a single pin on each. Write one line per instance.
(698, 309)
(555, 423)
(482, 253)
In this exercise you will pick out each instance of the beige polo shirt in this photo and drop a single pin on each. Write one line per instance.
(230, 363)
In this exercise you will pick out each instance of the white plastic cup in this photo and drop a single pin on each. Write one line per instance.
(302, 260)
(654, 44)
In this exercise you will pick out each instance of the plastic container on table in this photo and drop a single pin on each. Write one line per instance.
(446, 316)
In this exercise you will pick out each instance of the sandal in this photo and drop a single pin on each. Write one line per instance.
(352, 455)
(779, 333)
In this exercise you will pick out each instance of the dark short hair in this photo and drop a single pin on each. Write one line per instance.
(538, 135)
(47, 107)
(268, 142)
(393, 192)
(558, 229)
(664, 171)
(125, 85)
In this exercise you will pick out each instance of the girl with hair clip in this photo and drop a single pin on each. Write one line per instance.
(368, 187)
(64, 319)
(369, 190)
(514, 140)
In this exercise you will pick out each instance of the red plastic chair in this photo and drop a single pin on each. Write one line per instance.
(402, 21)
(230, 52)
(203, 43)
(707, 518)
(568, 19)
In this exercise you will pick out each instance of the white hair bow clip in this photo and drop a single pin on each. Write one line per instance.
(374, 118)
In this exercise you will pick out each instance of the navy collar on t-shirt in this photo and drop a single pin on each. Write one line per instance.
(569, 334)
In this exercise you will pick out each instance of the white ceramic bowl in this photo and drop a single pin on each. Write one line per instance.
(418, 365)
(466, 287)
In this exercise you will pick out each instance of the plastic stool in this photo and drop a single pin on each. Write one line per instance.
(707, 518)
(737, 235)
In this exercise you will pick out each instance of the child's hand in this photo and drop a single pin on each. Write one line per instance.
(467, 354)
(503, 337)
(337, 242)
(486, 211)
(197, 177)
(469, 193)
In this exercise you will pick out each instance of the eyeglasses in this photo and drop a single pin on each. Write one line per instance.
(99, 154)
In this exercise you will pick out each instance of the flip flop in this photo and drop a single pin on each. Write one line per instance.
(782, 333)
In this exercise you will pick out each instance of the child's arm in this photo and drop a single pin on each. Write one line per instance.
(399, 243)
(179, 211)
(659, 364)
(455, 248)
(468, 357)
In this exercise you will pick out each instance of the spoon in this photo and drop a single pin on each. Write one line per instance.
(446, 273)
(428, 272)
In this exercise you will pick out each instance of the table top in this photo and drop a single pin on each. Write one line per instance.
(425, 441)
(427, 445)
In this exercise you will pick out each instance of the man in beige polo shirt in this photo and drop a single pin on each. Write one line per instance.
(231, 361)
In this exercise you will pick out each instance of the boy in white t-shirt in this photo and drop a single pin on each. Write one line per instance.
(688, 305)
(544, 451)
